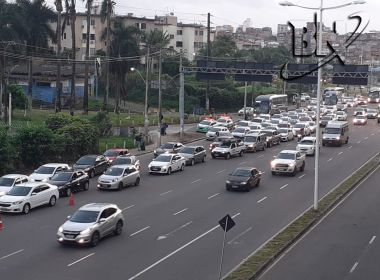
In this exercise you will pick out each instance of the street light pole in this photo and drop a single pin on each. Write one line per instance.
(181, 98)
(159, 99)
(146, 119)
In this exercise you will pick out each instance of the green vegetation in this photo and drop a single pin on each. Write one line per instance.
(254, 265)
(116, 142)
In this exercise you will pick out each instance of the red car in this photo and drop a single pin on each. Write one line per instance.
(112, 154)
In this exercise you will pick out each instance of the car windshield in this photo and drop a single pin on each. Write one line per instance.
(339, 113)
(114, 171)
(214, 129)
(242, 123)
(163, 158)
(84, 216)
(326, 118)
(205, 122)
(19, 191)
(222, 120)
(306, 142)
(187, 150)
(282, 130)
(332, 130)
(111, 153)
(312, 123)
(360, 117)
(86, 161)
(241, 173)
(299, 125)
(239, 130)
(225, 145)
(45, 170)
(250, 139)
(61, 176)
(124, 160)
(372, 111)
(293, 117)
(6, 182)
(286, 156)
(275, 121)
(167, 146)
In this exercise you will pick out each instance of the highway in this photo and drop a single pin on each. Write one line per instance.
(172, 229)
(345, 245)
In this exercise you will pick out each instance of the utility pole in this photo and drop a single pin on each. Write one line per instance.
(87, 57)
(181, 98)
(58, 87)
(146, 120)
(2, 86)
(245, 101)
(208, 54)
(108, 49)
(159, 99)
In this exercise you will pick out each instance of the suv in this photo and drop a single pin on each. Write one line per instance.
(228, 149)
(90, 223)
(254, 142)
(288, 162)
(272, 137)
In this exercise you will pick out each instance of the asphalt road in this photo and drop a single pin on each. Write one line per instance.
(172, 227)
(345, 245)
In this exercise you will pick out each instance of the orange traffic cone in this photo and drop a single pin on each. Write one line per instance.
(1, 223)
(71, 200)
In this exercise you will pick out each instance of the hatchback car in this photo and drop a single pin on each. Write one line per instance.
(112, 154)
(243, 178)
(11, 180)
(169, 147)
(23, 197)
(193, 154)
(118, 177)
(46, 171)
(132, 160)
(70, 181)
(92, 164)
(166, 164)
(90, 223)
(360, 120)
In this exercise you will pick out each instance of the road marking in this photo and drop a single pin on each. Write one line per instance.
(261, 200)
(240, 235)
(262, 173)
(179, 212)
(221, 171)
(196, 181)
(372, 239)
(165, 193)
(128, 207)
(213, 195)
(359, 142)
(350, 147)
(81, 259)
(330, 159)
(284, 186)
(300, 177)
(11, 254)
(354, 267)
(260, 156)
(174, 231)
(366, 138)
(244, 162)
(373, 134)
(177, 250)
(340, 153)
(141, 230)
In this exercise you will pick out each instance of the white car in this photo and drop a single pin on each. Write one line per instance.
(118, 177)
(240, 132)
(213, 132)
(167, 163)
(286, 134)
(23, 197)
(248, 110)
(307, 145)
(341, 116)
(226, 122)
(46, 171)
(313, 127)
(11, 180)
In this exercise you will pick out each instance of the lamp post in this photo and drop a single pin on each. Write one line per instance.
(319, 51)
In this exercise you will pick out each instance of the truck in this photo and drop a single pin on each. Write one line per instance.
(228, 149)
(288, 162)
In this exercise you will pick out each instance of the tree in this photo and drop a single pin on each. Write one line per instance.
(86, 66)
(36, 17)
(157, 39)
(223, 46)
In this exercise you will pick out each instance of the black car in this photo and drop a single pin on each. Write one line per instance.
(92, 164)
(70, 181)
(243, 178)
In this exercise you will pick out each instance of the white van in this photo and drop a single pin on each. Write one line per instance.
(335, 133)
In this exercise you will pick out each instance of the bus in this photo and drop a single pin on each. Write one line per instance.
(332, 95)
(374, 95)
(270, 103)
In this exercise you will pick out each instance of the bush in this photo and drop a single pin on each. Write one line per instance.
(57, 121)
(7, 152)
(102, 122)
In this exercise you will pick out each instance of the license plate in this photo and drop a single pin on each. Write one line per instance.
(69, 236)
(235, 187)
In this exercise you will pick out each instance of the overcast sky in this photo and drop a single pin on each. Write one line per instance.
(261, 12)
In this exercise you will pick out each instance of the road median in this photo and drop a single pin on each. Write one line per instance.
(258, 261)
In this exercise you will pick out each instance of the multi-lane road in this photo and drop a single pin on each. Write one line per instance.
(172, 227)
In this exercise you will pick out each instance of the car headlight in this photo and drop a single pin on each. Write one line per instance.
(86, 231)
(2, 193)
(251, 145)
(228, 182)
(273, 164)
(337, 138)
(115, 180)
(155, 151)
(87, 169)
(17, 202)
(60, 230)
(291, 164)
(243, 183)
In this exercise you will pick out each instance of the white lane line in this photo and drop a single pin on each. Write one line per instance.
(372, 239)
(330, 159)
(221, 171)
(366, 138)
(178, 250)
(261, 200)
(303, 175)
(81, 259)
(165, 193)
(141, 230)
(359, 142)
(174, 231)
(260, 156)
(179, 212)
(284, 186)
(354, 267)
(350, 147)
(213, 195)
(128, 207)
(262, 173)
(373, 134)
(340, 153)
(196, 181)
(244, 162)
(240, 235)
(11, 254)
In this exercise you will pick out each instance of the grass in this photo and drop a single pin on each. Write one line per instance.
(115, 142)
(256, 264)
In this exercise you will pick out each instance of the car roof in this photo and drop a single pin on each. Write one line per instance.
(31, 184)
(54, 164)
(97, 206)
(245, 168)
(13, 176)
(122, 166)
(90, 155)
(289, 151)
(309, 138)
(117, 149)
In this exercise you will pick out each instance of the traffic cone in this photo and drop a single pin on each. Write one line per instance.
(1, 223)
(71, 200)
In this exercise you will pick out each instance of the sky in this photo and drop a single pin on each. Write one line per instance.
(261, 12)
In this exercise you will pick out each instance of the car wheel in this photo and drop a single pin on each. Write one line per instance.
(182, 167)
(68, 192)
(241, 154)
(263, 149)
(258, 183)
(212, 156)
(52, 201)
(303, 167)
(120, 186)
(26, 208)
(86, 186)
(92, 173)
(119, 228)
(228, 188)
(273, 172)
(192, 162)
(204, 159)
(254, 150)
(294, 172)
(169, 171)
(137, 182)
(228, 156)
(95, 239)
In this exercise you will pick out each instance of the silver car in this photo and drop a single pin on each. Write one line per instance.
(118, 177)
(193, 154)
(90, 223)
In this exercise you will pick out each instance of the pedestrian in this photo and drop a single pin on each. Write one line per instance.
(142, 143)
(138, 140)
